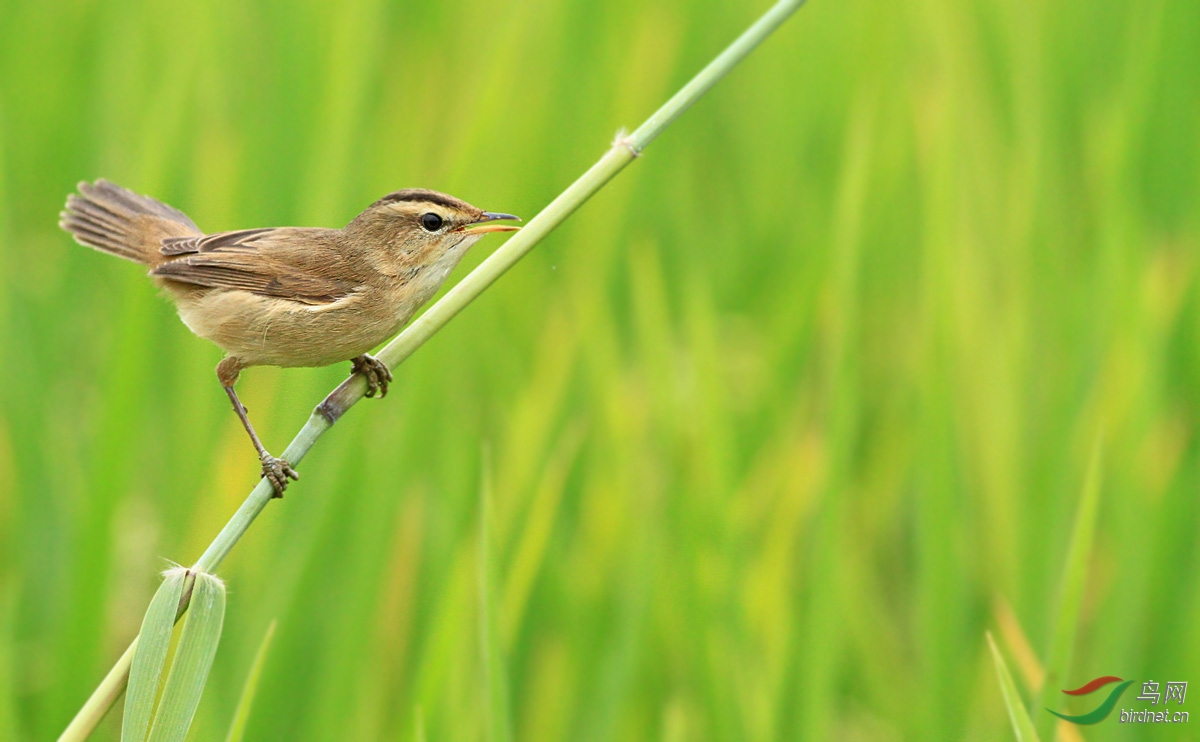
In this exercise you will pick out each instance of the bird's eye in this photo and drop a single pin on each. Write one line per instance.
(431, 222)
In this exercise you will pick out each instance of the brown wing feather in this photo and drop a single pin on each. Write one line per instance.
(207, 243)
(250, 260)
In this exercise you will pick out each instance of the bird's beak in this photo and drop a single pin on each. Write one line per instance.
(485, 225)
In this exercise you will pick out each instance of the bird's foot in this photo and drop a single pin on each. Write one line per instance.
(376, 372)
(278, 472)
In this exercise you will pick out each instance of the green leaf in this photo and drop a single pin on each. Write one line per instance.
(499, 728)
(419, 733)
(154, 640)
(1066, 621)
(1017, 714)
(237, 729)
(193, 659)
(535, 536)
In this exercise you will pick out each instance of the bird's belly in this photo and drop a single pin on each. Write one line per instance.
(277, 332)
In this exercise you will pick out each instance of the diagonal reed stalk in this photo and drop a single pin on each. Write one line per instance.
(1017, 714)
(624, 150)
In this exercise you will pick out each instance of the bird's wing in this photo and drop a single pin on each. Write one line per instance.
(208, 242)
(267, 262)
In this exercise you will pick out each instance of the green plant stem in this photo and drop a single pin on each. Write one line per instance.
(101, 700)
(623, 151)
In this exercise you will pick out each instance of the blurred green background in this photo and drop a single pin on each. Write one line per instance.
(779, 424)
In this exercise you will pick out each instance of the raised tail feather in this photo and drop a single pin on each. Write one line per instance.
(115, 220)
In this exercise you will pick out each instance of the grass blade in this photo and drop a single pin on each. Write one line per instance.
(535, 536)
(499, 725)
(1017, 714)
(8, 709)
(146, 672)
(1066, 621)
(237, 730)
(193, 659)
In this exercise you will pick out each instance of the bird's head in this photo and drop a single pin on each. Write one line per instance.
(426, 224)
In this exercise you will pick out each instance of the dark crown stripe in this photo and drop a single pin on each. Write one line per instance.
(423, 195)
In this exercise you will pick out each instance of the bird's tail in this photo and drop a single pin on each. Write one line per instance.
(115, 220)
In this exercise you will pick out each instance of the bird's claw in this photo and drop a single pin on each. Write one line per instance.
(376, 372)
(278, 472)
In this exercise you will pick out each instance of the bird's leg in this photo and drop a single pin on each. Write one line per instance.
(276, 470)
(376, 372)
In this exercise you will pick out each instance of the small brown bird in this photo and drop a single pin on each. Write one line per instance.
(289, 296)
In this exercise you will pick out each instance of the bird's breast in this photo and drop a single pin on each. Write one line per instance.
(278, 332)
(265, 330)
